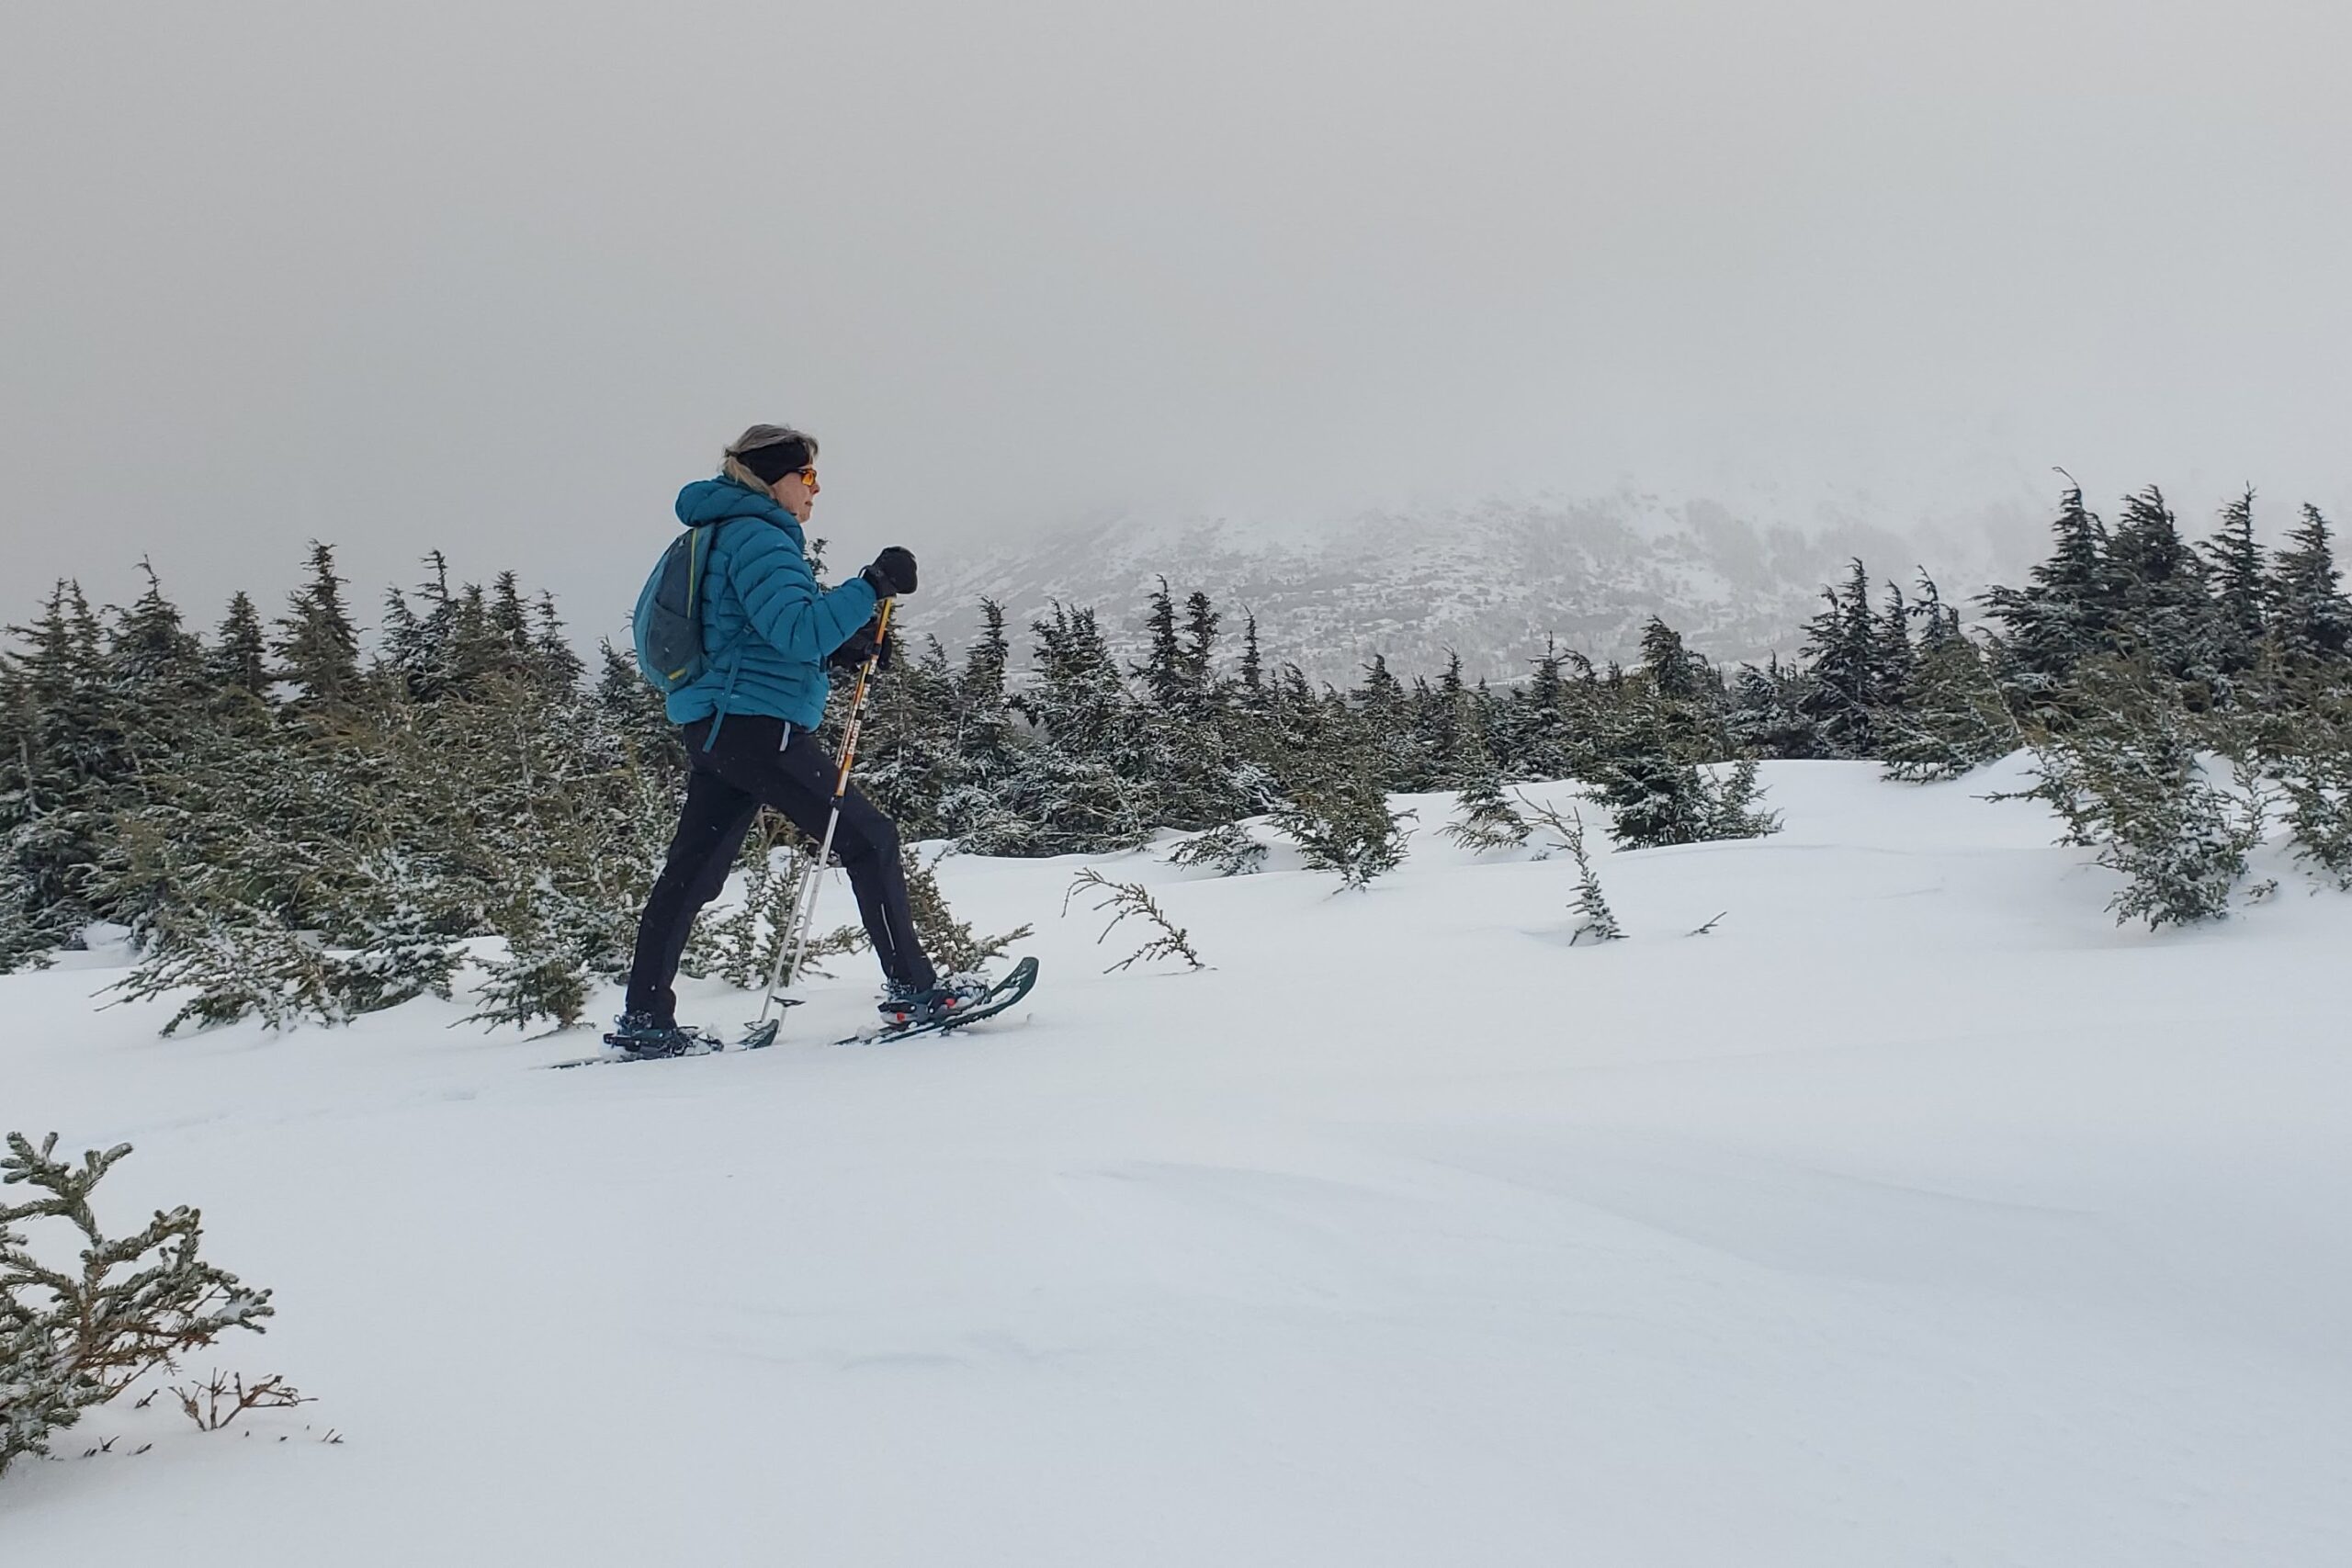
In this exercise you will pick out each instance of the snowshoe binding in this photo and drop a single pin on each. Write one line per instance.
(963, 999)
(641, 1037)
(908, 1006)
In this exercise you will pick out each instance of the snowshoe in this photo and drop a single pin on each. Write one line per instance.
(644, 1038)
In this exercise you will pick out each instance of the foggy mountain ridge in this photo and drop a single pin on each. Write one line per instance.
(1489, 582)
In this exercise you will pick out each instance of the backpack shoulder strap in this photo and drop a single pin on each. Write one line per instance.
(702, 602)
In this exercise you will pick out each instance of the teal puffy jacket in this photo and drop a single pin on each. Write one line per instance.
(767, 626)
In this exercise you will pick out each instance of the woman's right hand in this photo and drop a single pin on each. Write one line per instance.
(892, 573)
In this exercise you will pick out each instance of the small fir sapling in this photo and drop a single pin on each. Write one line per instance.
(71, 1339)
(1595, 919)
(1131, 898)
(544, 972)
(1487, 820)
(1344, 825)
(1655, 798)
(1735, 813)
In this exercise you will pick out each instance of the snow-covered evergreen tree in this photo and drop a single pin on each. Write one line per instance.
(1196, 660)
(2165, 607)
(317, 647)
(1536, 737)
(909, 757)
(2066, 614)
(1336, 808)
(1085, 784)
(1486, 821)
(1673, 672)
(1342, 824)
(2236, 566)
(238, 658)
(239, 962)
(2302, 744)
(2309, 619)
(1842, 651)
(1388, 729)
(629, 719)
(1894, 659)
(1444, 724)
(1764, 713)
(1162, 671)
(1251, 673)
(2127, 777)
(974, 808)
(554, 663)
(1949, 716)
(60, 746)
(1734, 812)
(1657, 799)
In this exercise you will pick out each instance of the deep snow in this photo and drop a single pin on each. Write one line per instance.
(1916, 1215)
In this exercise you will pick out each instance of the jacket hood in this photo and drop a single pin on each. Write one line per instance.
(721, 500)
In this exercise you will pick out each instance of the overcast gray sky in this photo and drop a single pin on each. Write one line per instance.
(499, 276)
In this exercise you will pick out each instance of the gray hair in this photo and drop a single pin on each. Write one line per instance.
(730, 462)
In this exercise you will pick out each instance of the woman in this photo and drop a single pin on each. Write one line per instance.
(750, 728)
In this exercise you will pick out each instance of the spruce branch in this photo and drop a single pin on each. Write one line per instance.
(1131, 898)
(1230, 848)
(1565, 827)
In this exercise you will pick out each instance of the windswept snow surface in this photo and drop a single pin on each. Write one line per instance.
(1916, 1215)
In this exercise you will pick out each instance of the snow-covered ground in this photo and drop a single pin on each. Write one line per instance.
(1916, 1215)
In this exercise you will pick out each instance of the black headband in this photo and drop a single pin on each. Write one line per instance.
(772, 462)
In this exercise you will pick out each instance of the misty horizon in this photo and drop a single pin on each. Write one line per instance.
(1329, 592)
(498, 283)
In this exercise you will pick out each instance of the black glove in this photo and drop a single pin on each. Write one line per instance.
(863, 644)
(892, 573)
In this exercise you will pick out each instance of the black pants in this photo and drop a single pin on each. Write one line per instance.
(763, 761)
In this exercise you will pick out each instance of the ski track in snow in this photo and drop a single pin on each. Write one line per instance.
(1918, 1215)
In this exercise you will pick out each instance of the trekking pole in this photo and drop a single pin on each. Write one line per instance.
(813, 875)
